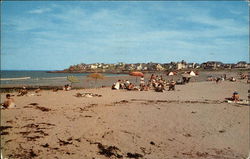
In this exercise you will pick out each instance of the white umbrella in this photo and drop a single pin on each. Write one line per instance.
(192, 73)
(171, 74)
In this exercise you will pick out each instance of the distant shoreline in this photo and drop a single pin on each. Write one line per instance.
(163, 71)
(76, 72)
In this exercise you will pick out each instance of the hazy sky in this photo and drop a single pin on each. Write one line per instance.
(54, 35)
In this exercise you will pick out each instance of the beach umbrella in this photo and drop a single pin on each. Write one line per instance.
(171, 73)
(73, 79)
(96, 76)
(137, 74)
(192, 73)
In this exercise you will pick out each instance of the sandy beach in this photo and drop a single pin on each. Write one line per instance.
(190, 122)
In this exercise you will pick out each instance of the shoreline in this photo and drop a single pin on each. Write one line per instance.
(85, 82)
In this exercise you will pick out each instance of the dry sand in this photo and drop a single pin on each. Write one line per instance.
(191, 122)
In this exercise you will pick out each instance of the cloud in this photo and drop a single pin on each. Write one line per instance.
(40, 11)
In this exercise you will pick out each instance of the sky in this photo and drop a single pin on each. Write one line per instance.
(52, 35)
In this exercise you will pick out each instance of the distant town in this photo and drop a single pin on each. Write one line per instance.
(121, 67)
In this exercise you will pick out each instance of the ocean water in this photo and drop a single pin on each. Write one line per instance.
(18, 78)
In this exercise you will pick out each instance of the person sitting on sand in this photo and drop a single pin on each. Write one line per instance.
(122, 84)
(160, 88)
(154, 84)
(113, 86)
(9, 102)
(126, 83)
(23, 92)
(67, 87)
(144, 87)
(152, 77)
(172, 86)
(232, 79)
(130, 87)
(218, 79)
(236, 96)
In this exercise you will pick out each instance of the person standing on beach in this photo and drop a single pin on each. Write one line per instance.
(142, 80)
(152, 77)
(117, 84)
(225, 76)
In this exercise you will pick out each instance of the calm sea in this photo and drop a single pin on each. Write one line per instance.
(9, 78)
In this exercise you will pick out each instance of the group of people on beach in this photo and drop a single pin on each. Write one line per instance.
(222, 78)
(67, 87)
(155, 82)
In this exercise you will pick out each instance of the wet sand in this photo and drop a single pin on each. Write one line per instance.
(191, 122)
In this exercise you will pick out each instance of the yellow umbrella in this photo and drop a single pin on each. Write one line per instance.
(73, 79)
(96, 76)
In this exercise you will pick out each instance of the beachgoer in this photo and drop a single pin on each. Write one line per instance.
(184, 79)
(117, 84)
(122, 84)
(142, 80)
(233, 79)
(161, 78)
(225, 76)
(156, 77)
(152, 77)
(126, 83)
(248, 79)
(9, 102)
(113, 86)
(23, 92)
(235, 96)
(65, 87)
(160, 88)
(172, 86)
(130, 87)
(218, 80)
(69, 88)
